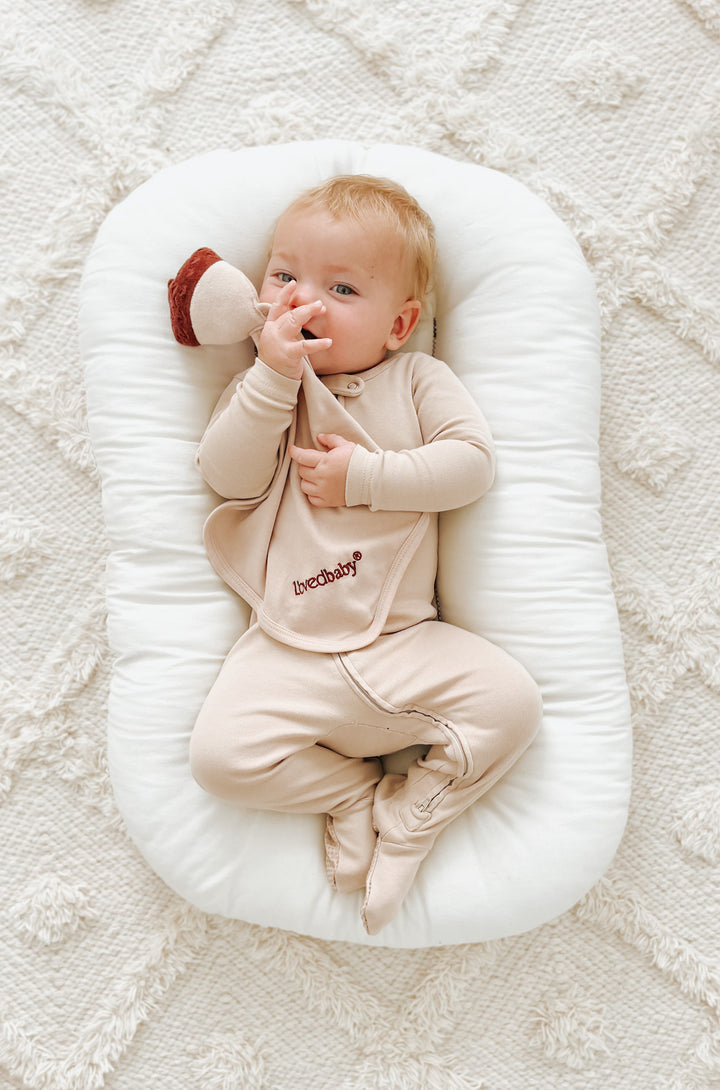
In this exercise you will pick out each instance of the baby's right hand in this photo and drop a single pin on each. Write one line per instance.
(281, 344)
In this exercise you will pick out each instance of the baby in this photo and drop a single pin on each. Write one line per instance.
(335, 457)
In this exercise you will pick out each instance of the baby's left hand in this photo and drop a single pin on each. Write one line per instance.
(323, 473)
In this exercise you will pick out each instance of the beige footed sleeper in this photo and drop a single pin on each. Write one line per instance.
(345, 660)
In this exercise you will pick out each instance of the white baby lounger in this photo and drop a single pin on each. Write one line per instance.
(525, 567)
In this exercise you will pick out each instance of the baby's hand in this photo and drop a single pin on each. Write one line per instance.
(281, 344)
(323, 473)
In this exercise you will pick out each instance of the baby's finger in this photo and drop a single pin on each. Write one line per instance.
(319, 344)
(282, 303)
(302, 314)
(310, 490)
(305, 456)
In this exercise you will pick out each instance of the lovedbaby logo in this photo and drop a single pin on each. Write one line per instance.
(326, 576)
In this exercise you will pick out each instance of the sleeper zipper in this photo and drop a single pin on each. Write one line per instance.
(376, 702)
(425, 807)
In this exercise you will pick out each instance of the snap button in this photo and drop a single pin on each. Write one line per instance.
(344, 385)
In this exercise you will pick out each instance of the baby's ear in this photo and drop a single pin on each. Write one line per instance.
(404, 323)
(212, 302)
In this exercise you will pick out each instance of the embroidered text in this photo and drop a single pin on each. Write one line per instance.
(326, 576)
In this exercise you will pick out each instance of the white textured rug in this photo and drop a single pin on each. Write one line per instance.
(610, 110)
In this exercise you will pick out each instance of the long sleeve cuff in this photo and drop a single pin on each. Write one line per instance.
(279, 387)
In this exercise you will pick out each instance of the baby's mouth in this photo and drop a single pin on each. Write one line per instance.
(308, 335)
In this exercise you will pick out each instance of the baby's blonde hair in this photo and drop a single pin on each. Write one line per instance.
(358, 196)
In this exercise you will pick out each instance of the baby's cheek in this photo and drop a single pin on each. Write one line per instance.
(269, 291)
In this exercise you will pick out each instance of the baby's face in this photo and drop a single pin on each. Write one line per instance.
(357, 270)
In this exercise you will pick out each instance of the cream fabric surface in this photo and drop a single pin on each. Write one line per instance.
(607, 110)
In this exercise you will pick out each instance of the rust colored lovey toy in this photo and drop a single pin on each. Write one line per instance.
(212, 302)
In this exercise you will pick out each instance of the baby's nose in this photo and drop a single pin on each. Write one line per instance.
(301, 295)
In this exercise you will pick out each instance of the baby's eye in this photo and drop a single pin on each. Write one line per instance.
(285, 278)
(343, 289)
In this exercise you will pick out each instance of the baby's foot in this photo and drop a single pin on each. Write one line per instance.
(349, 846)
(391, 874)
(404, 839)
